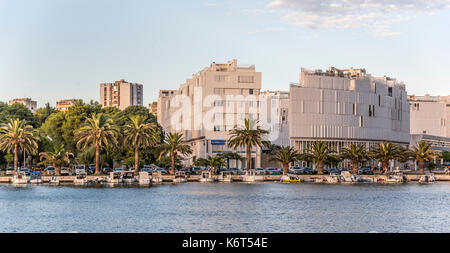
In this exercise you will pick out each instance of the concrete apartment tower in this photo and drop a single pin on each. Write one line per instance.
(223, 87)
(347, 106)
(65, 104)
(121, 94)
(27, 102)
(430, 120)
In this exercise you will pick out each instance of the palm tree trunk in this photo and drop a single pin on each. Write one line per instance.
(320, 168)
(136, 160)
(385, 167)
(354, 167)
(16, 158)
(249, 158)
(285, 168)
(97, 160)
(421, 167)
(172, 156)
(57, 170)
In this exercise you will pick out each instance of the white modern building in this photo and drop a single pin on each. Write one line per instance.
(430, 115)
(210, 104)
(347, 106)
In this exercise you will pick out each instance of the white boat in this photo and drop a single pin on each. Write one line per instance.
(20, 178)
(157, 178)
(426, 179)
(206, 177)
(347, 177)
(80, 179)
(36, 178)
(114, 178)
(54, 180)
(332, 179)
(180, 177)
(290, 178)
(144, 179)
(225, 176)
(251, 176)
(128, 178)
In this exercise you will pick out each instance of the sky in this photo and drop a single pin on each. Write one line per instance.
(59, 49)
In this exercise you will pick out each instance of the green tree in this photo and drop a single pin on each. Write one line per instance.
(355, 153)
(17, 135)
(286, 156)
(100, 132)
(58, 158)
(385, 152)
(42, 114)
(319, 153)
(173, 146)
(215, 162)
(422, 153)
(140, 134)
(231, 156)
(248, 137)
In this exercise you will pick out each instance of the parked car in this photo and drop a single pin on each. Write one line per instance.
(197, 170)
(107, 170)
(80, 169)
(326, 171)
(260, 171)
(91, 169)
(25, 170)
(334, 171)
(147, 169)
(272, 171)
(365, 171)
(50, 170)
(344, 169)
(65, 172)
(236, 171)
(308, 171)
(163, 171)
(296, 170)
(120, 169)
(9, 171)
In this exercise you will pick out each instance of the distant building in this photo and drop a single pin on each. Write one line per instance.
(347, 106)
(65, 104)
(430, 115)
(153, 108)
(121, 94)
(28, 102)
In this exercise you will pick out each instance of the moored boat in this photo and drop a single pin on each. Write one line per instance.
(36, 177)
(225, 176)
(128, 177)
(290, 178)
(20, 178)
(54, 180)
(157, 178)
(180, 177)
(427, 179)
(251, 176)
(206, 177)
(80, 179)
(144, 179)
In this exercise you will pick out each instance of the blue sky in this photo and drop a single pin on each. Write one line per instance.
(56, 49)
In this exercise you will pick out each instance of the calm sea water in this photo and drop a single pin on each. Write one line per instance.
(268, 207)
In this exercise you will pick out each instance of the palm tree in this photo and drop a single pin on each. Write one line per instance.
(230, 156)
(319, 153)
(248, 137)
(422, 153)
(286, 156)
(173, 145)
(355, 153)
(139, 134)
(59, 157)
(98, 131)
(16, 134)
(215, 162)
(385, 152)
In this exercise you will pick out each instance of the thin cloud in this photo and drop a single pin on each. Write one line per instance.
(377, 16)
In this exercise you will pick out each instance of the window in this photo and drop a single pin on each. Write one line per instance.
(246, 79)
(221, 78)
(216, 128)
(371, 110)
(218, 91)
(218, 103)
(361, 121)
(390, 91)
(354, 109)
(251, 92)
(379, 100)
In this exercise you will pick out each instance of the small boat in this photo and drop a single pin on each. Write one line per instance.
(332, 179)
(180, 177)
(144, 179)
(36, 177)
(157, 178)
(427, 179)
(128, 178)
(54, 180)
(251, 176)
(206, 177)
(225, 176)
(20, 178)
(80, 179)
(347, 177)
(395, 178)
(114, 178)
(290, 178)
